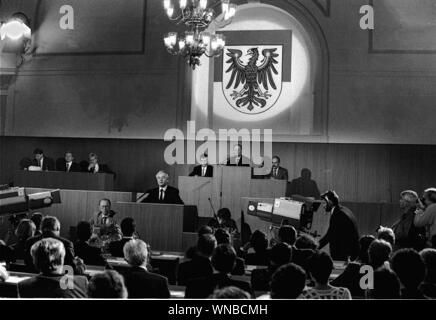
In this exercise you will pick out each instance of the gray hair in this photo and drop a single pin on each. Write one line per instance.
(136, 252)
(48, 255)
(164, 172)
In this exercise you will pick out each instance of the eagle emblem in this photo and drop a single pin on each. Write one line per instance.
(252, 82)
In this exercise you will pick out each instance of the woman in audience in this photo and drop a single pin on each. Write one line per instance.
(48, 257)
(428, 286)
(224, 221)
(350, 277)
(107, 285)
(288, 282)
(320, 269)
(410, 268)
(259, 244)
(25, 230)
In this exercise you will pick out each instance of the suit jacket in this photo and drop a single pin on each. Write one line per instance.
(171, 196)
(116, 247)
(47, 286)
(61, 165)
(102, 168)
(142, 284)
(90, 255)
(47, 164)
(202, 288)
(342, 235)
(243, 162)
(197, 171)
(69, 250)
(282, 174)
(197, 267)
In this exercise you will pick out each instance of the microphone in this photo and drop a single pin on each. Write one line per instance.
(213, 210)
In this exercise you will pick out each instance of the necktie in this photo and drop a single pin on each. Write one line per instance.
(275, 172)
(68, 167)
(161, 194)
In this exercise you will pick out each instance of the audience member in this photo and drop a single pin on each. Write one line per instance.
(386, 285)
(259, 244)
(427, 217)
(25, 230)
(89, 254)
(141, 283)
(224, 221)
(320, 269)
(223, 261)
(386, 234)
(128, 230)
(48, 257)
(288, 282)
(50, 227)
(379, 252)
(104, 223)
(37, 219)
(201, 231)
(230, 293)
(410, 269)
(200, 264)
(305, 241)
(223, 237)
(428, 286)
(281, 254)
(107, 285)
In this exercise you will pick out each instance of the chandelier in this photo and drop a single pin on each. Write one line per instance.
(197, 16)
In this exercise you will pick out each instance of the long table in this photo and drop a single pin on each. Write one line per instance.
(64, 180)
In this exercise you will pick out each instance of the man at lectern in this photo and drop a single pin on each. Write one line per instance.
(204, 169)
(163, 193)
(238, 160)
(45, 163)
(277, 172)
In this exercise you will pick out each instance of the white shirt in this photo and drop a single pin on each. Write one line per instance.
(203, 171)
(69, 166)
(96, 168)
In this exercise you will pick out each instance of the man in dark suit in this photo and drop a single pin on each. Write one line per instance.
(67, 163)
(141, 283)
(128, 229)
(90, 255)
(93, 166)
(48, 256)
(223, 260)
(277, 172)
(199, 265)
(238, 160)
(342, 234)
(50, 227)
(163, 193)
(45, 163)
(203, 170)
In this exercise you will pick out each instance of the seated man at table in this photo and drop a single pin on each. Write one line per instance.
(277, 172)
(139, 281)
(94, 166)
(128, 229)
(42, 162)
(50, 227)
(105, 227)
(90, 255)
(199, 265)
(48, 256)
(163, 193)
(223, 261)
(67, 163)
(203, 170)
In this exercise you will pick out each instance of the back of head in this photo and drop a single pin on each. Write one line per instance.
(287, 234)
(25, 230)
(136, 253)
(108, 284)
(84, 230)
(50, 224)
(204, 230)
(379, 251)
(429, 258)
(364, 243)
(386, 234)
(206, 244)
(306, 241)
(128, 227)
(230, 293)
(306, 174)
(331, 196)
(320, 266)
(224, 213)
(386, 285)
(222, 236)
(281, 254)
(224, 258)
(259, 241)
(288, 282)
(48, 255)
(409, 267)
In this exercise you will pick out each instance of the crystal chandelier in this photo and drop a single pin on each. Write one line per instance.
(197, 16)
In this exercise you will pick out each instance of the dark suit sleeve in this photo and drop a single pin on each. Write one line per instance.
(194, 172)
(164, 292)
(178, 199)
(285, 174)
(326, 239)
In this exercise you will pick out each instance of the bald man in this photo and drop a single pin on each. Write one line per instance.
(163, 193)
